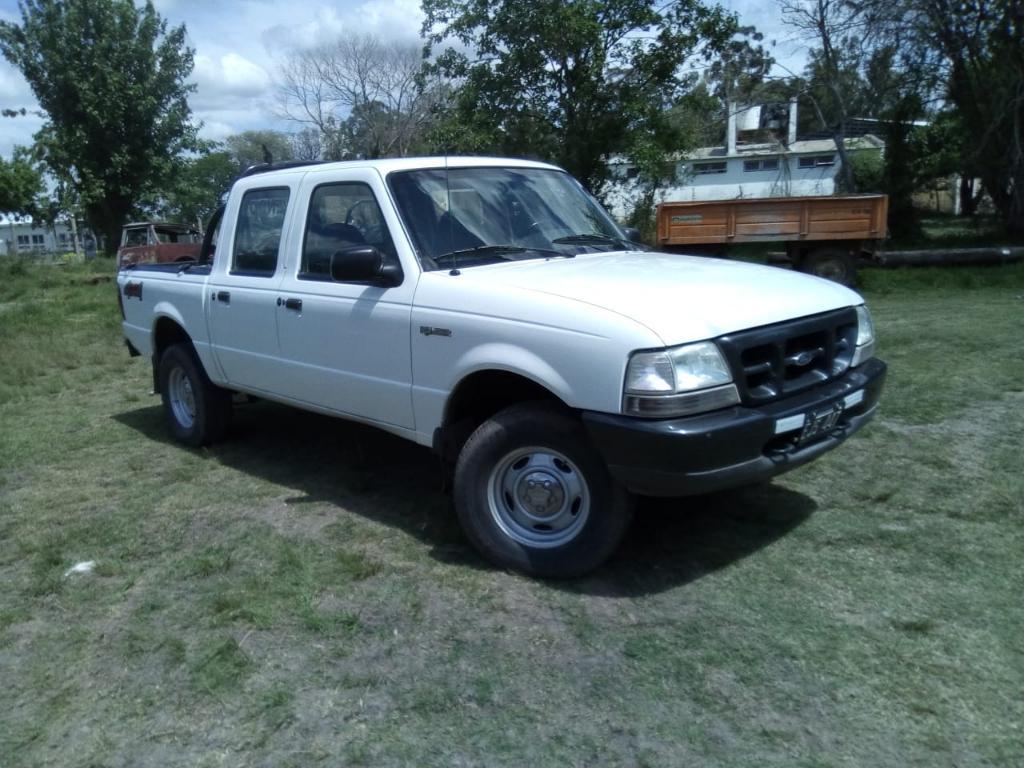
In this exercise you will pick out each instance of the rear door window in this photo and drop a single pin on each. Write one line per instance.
(258, 232)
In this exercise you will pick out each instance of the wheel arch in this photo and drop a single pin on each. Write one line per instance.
(168, 329)
(479, 395)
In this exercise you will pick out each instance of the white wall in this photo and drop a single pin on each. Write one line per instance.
(789, 180)
(26, 237)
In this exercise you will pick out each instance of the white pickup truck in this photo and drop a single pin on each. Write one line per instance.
(490, 309)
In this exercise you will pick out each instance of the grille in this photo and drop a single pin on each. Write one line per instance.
(776, 361)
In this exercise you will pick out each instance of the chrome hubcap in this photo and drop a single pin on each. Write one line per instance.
(538, 497)
(183, 401)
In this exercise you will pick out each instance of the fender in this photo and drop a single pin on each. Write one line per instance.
(501, 356)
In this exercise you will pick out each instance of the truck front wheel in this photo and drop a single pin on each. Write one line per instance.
(533, 494)
(197, 411)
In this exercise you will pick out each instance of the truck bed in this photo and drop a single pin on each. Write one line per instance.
(773, 219)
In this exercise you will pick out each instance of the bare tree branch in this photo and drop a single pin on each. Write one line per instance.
(362, 94)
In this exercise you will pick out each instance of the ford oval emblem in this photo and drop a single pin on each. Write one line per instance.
(803, 358)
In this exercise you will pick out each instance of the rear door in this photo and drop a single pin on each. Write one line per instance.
(347, 343)
(242, 290)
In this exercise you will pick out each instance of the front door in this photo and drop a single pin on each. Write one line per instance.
(346, 344)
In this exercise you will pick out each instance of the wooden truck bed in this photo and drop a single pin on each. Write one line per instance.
(773, 219)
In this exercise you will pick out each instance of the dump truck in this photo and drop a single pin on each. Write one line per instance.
(824, 236)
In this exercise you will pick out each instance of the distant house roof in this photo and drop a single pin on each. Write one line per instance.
(162, 225)
(862, 126)
(804, 146)
(7, 220)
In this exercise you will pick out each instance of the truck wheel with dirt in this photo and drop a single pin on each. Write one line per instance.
(834, 264)
(533, 494)
(197, 411)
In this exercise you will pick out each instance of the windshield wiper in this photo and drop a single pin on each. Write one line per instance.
(586, 238)
(501, 251)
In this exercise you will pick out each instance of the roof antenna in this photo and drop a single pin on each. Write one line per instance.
(267, 157)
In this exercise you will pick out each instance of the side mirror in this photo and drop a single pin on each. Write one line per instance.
(632, 234)
(364, 264)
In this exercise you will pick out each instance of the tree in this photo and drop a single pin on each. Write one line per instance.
(199, 187)
(836, 28)
(740, 71)
(21, 184)
(571, 81)
(970, 56)
(110, 78)
(982, 42)
(252, 147)
(365, 97)
(193, 193)
(307, 144)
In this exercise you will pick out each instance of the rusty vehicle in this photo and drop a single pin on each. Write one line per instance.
(150, 242)
(825, 236)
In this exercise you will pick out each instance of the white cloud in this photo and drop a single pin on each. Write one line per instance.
(216, 130)
(325, 26)
(226, 80)
(388, 19)
(16, 94)
(14, 89)
(18, 131)
(781, 41)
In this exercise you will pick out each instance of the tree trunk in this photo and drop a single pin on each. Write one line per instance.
(849, 183)
(968, 202)
(106, 218)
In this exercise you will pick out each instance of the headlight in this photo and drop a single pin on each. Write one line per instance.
(678, 381)
(865, 337)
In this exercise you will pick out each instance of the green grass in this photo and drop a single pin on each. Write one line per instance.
(946, 230)
(301, 595)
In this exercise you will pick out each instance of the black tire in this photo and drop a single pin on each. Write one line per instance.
(181, 377)
(559, 455)
(833, 264)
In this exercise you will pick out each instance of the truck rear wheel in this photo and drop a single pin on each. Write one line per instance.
(197, 411)
(533, 494)
(833, 264)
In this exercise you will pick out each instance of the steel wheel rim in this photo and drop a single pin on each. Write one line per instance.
(538, 497)
(183, 400)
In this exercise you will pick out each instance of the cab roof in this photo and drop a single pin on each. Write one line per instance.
(392, 164)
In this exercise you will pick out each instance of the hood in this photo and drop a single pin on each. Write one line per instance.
(679, 298)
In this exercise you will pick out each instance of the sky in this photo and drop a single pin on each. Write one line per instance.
(239, 45)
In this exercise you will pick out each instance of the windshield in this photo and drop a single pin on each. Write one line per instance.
(483, 215)
(168, 235)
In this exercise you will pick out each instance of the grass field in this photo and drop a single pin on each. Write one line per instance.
(301, 595)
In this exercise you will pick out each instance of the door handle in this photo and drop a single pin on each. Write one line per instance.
(224, 296)
(295, 304)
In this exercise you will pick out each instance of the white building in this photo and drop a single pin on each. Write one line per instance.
(761, 168)
(26, 237)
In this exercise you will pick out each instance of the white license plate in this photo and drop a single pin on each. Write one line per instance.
(820, 422)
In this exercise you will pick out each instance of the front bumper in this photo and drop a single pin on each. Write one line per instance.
(733, 446)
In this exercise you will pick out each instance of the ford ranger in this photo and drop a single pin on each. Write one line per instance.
(490, 309)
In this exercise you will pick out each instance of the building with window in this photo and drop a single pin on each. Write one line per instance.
(762, 157)
(25, 237)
